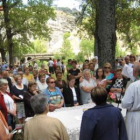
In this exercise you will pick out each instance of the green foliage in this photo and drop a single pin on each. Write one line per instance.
(37, 46)
(119, 52)
(87, 47)
(66, 50)
(80, 57)
(127, 21)
(26, 22)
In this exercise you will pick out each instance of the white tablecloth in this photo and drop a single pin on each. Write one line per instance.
(71, 118)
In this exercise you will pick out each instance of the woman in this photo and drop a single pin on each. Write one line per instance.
(6, 102)
(100, 77)
(27, 75)
(54, 95)
(103, 117)
(71, 93)
(85, 66)
(59, 81)
(32, 90)
(41, 83)
(86, 86)
(42, 126)
(18, 91)
(118, 84)
(108, 74)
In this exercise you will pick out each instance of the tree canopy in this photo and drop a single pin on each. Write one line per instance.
(24, 23)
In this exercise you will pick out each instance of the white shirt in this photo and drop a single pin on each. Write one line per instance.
(50, 63)
(74, 94)
(35, 66)
(41, 86)
(59, 64)
(25, 81)
(9, 102)
(128, 72)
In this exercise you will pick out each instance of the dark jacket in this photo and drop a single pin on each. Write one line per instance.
(28, 109)
(9, 83)
(103, 123)
(68, 96)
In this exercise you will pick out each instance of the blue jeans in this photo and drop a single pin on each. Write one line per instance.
(11, 121)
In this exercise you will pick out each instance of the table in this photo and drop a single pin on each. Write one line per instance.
(71, 118)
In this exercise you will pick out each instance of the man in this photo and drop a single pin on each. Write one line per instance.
(127, 61)
(69, 65)
(50, 65)
(131, 102)
(42, 127)
(104, 121)
(75, 72)
(35, 66)
(131, 73)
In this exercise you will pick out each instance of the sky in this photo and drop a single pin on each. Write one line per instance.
(65, 3)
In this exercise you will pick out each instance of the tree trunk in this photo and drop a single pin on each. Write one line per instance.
(8, 30)
(3, 53)
(105, 35)
(10, 48)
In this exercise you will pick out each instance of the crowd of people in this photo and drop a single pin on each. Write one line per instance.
(26, 91)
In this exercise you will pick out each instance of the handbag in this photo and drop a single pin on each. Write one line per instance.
(118, 100)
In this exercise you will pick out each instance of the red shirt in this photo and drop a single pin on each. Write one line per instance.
(3, 107)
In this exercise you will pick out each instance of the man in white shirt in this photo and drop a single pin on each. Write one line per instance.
(50, 65)
(35, 66)
(131, 101)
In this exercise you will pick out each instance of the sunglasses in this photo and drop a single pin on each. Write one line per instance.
(107, 67)
(52, 82)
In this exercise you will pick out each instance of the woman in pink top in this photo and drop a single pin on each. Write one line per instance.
(100, 77)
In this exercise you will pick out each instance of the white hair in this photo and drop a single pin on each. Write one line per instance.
(86, 70)
(39, 103)
(3, 81)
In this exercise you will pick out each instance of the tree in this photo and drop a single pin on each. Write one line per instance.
(86, 47)
(80, 57)
(105, 32)
(23, 22)
(66, 49)
(37, 46)
(127, 15)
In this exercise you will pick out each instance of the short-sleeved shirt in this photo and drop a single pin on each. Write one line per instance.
(86, 97)
(50, 63)
(69, 66)
(75, 73)
(29, 77)
(110, 76)
(53, 97)
(18, 92)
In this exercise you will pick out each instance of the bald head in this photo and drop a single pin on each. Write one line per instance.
(127, 59)
(136, 69)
